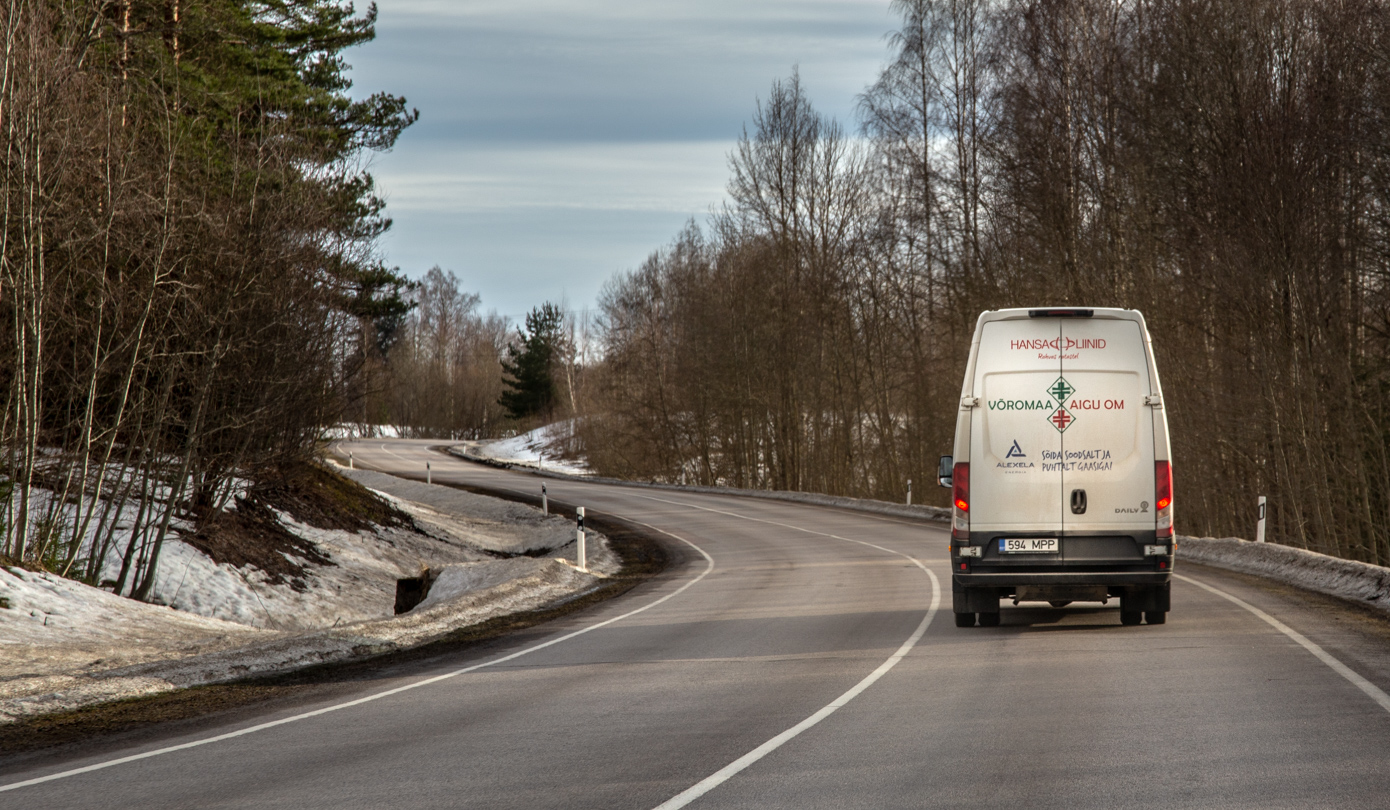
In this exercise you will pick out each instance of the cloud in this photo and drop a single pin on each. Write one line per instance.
(561, 141)
(557, 71)
(519, 258)
(618, 12)
(684, 177)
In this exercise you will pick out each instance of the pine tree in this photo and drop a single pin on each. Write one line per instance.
(531, 364)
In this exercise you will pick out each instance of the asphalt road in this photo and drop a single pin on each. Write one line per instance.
(791, 657)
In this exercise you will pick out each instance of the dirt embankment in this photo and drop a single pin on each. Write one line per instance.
(306, 542)
(253, 534)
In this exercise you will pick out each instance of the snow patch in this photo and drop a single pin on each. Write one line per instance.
(457, 580)
(64, 644)
(541, 582)
(1358, 582)
(361, 430)
(58, 634)
(490, 524)
(538, 449)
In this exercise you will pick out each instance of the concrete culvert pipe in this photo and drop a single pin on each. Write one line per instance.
(411, 591)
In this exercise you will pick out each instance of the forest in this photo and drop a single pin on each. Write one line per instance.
(191, 292)
(188, 283)
(1221, 165)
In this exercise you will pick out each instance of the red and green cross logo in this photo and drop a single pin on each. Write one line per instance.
(1061, 418)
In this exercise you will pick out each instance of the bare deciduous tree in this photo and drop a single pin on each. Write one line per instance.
(1220, 165)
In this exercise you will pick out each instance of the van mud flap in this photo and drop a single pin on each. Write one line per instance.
(974, 600)
(1146, 598)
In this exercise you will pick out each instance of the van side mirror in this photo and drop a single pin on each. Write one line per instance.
(946, 472)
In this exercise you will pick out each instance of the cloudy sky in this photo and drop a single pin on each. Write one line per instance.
(561, 141)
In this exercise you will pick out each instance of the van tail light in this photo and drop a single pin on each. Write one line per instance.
(1163, 484)
(1061, 313)
(960, 501)
(1163, 497)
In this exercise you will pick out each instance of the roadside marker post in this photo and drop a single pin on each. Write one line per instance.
(350, 467)
(545, 501)
(909, 492)
(1260, 525)
(429, 476)
(579, 557)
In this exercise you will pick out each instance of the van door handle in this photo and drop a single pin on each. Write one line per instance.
(1078, 501)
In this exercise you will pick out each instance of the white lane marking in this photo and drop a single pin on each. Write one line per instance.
(709, 567)
(732, 769)
(782, 525)
(391, 452)
(723, 775)
(1374, 692)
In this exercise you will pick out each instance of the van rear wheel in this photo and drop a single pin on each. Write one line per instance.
(989, 619)
(1130, 617)
(965, 620)
(1155, 616)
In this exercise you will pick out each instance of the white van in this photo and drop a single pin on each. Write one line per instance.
(1061, 476)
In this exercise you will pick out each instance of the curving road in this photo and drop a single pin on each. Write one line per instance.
(795, 656)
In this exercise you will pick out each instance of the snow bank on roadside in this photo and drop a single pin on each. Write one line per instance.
(534, 449)
(491, 524)
(549, 581)
(64, 644)
(454, 581)
(44, 608)
(360, 583)
(458, 527)
(1358, 582)
(359, 430)
(58, 634)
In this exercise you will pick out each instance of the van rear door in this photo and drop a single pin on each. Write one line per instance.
(1108, 441)
(1015, 474)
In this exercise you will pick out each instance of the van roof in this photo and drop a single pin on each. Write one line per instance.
(1023, 313)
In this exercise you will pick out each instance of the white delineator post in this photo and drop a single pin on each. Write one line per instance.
(429, 477)
(1260, 525)
(545, 501)
(579, 556)
(350, 467)
(909, 492)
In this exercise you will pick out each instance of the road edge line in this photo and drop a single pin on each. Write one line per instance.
(1372, 691)
(724, 774)
(709, 567)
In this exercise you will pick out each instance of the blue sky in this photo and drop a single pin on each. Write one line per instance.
(561, 141)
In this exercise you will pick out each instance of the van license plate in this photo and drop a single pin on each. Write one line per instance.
(1027, 545)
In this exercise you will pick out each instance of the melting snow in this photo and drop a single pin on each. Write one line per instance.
(536, 448)
(64, 644)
